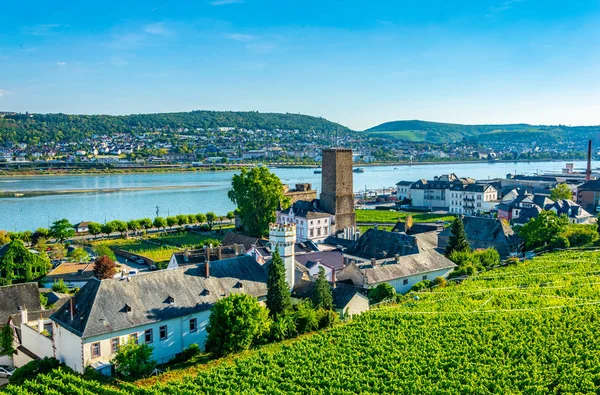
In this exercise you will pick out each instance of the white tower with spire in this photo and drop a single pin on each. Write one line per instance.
(282, 238)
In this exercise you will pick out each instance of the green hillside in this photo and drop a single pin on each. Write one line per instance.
(436, 132)
(64, 127)
(530, 328)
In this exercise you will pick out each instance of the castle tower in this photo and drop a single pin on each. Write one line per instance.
(282, 238)
(337, 195)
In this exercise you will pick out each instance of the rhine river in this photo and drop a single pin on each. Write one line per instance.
(197, 192)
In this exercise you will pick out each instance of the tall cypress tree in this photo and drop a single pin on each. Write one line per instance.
(278, 290)
(458, 238)
(322, 294)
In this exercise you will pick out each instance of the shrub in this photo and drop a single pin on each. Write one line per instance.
(581, 236)
(513, 261)
(187, 354)
(305, 317)
(133, 361)
(560, 241)
(440, 282)
(421, 286)
(327, 318)
(34, 368)
(60, 286)
(487, 258)
(381, 292)
(283, 327)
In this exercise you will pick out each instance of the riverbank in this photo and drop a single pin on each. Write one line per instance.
(229, 167)
(27, 194)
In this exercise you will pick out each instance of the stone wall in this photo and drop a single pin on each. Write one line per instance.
(337, 195)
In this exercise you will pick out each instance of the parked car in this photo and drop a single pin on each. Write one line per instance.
(6, 371)
(133, 272)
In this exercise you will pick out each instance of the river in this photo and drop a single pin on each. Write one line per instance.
(195, 192)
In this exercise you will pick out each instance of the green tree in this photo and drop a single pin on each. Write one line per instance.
(560, 192)
(133, 225)
(6, 340)
(278, 290)
(257, 193)
(381, 292)
(230, 216)
(235, 324)
(78, 255)
(146, 223)
(104, 268)
(210, 219)
(182, 219)
(120, 226)
(171, 221)
(109, 228)
(94, 228)
(33, 369)
(539, 231)
(322, 296)
(4, 237)
(200, 218)
(61, 230)
(104, 250)
(133, 361)
(160, 223)
(458, 238)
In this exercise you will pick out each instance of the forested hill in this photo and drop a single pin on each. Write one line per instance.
(447, 132)
(33, 128)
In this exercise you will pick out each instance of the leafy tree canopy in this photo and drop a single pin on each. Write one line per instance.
(61, 230)
(560, 192)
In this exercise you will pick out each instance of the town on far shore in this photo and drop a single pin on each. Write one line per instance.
(82, 293)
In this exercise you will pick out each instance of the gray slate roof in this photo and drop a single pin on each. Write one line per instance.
(13, 298)
(489, 230)
(304, 209)
(333, 259)
(380, 244)
(342, 293)
(101, 306)
(232, 238)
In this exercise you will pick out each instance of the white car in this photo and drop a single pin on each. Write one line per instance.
(133, 272)
(6, 371)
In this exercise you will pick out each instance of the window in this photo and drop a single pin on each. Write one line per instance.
(193, 324)
(114, 345)
(318, 222)
(148, 336)
(311, 232)
(325, 230)
(405, 281)
(424, 277)
(134, 338)
(318, 231)
(95, 350)
(163, 332)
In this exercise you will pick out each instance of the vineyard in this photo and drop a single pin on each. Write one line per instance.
(529, 328)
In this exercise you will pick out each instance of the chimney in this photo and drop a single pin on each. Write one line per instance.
(24, 315)
(333, 276)
(219, 252)
(397, 258)
(207, 269)
(40, 325)
(71, 308)
(588, 171)
(373, 262)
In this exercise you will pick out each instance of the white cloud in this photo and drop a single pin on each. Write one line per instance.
(244, 38)
(504, 6)
(157, 29)
(61, 63)
(3, 92)
(225, 2)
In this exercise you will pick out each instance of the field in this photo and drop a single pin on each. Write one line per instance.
(530, 328)
(391, 217)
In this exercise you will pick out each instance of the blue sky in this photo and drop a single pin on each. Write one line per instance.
(359, 63)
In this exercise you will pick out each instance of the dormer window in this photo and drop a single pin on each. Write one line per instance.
(170, 300)
(127, 308)
(205, 292)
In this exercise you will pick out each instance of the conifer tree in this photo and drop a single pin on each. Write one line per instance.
(458, 238)
(322, 296)
(278, 290)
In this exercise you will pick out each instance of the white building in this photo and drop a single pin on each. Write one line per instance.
(472, 198)
(312, 223)
(168, 309)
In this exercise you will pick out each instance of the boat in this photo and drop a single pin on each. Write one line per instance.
(318, 171)
(358, 170)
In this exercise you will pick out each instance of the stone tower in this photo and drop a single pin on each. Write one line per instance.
(282, 238)
(337, 196)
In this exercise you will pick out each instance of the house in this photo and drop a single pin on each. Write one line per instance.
(487, 233)
(19, 264)
(312, 223)
(74, 274)
(331, 261)
(206, 254)
(573, 211)
(588, 196)
(168, 309)
(398, 259)
(470, 199)
(403, 190)
(82, 227)
(347, 299)
(419, 227)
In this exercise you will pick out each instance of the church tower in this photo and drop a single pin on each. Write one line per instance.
(337, 192)
(282, 238)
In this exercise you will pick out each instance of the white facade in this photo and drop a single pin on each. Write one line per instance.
(167, 338)
(282, 238)
(313, 229)
(472, 202)
(403, 285)
(329, 272)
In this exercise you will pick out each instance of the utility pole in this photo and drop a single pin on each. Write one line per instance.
(157, 211)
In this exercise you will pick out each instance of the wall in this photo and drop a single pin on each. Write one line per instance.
(35, 342)
(179, 338)
(357, 305)
(337, 195)
(412, 280)
(314, 271)
(68, 348)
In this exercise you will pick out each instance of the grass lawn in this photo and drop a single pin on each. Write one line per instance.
(391, 217)
(186, 239)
